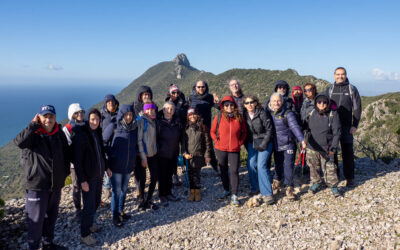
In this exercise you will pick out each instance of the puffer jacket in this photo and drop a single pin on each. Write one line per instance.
(284, 137)
(203, 104)
(168, 137)
(196, 140)
(232, 132)
(260, 127)
(147, 140)
(106, 116)
(45, 157)
(323, 137)
(123, 150)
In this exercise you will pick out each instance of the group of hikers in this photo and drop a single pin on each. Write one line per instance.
(104, 147)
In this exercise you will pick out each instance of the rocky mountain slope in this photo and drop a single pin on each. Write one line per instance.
(366, 217)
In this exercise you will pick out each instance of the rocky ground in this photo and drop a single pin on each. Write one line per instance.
(366, 217)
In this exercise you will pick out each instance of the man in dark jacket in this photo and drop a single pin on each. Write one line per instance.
(237, 93)
(310, 91)
(322, 143)
(45, 158)
(144, 95)
(348, 103)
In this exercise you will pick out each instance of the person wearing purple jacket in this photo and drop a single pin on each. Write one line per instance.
(287, 130)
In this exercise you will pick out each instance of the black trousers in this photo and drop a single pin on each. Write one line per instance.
(76, 191)
(140, 176)
(91, 201)
(41, 214)
(348, 160)
(165, 171)
(194, 168)
(229, 163)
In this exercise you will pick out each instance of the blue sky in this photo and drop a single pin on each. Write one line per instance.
(113, 42)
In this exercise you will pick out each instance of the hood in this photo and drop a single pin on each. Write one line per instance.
(227, 98)
(282, 82)
(300, 101)
(108, 98)
(74, 107)
(194, 92)
(141, 90)
(331, 103)
(123, 110)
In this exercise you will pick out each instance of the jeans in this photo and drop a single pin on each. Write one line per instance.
(91, 201)
(119, 184)
(259, 174)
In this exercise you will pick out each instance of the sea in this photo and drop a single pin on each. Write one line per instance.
(20, 103)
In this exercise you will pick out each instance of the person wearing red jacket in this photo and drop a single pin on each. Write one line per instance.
(228, 132)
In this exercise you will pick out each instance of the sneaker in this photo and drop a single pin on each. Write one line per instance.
(349, 183)
(269, 200)
(124, 216)
(290, 193)
(164, 201)
(235, 201)
(314, 188)
(94, 229)
(224, 195)
(53, 246)
(335, 192)
(152, 205)
(172, 197)
(117, 221)
(89, 240)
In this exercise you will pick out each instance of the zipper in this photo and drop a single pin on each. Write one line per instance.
(129, 145)
(230, 134)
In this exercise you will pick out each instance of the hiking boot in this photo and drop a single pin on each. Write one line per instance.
(191, 195)
(53, 246)
(176, 181)
(349, 183)
(172, 197)
(235, 200)
(123, 216)
(197, 195)
(94, 229)
(164, 201)
(224, 195)
(290, 193)
(107, 193)
(89, 240)
(269, 200)
(276, 184)
(335, 192)
(314, 188)
(117, 221)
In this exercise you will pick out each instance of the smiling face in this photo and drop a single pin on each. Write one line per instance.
(150, 113)
(128, 117)
(94, 121)
(48, 121)
(250, 104)
(229, 107)
(297, 93)
(193, 118)
(340, 76)
(234, 87)
(168, 110)
(146, 97)
(110, 105)
(200, 87)
(276, 102)
(309, 91)
(78, 116)
(322, 104)
(281, 89)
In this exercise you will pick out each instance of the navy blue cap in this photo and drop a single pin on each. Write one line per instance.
(47, 109)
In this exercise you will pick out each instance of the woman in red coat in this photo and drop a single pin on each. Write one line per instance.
(228, 132)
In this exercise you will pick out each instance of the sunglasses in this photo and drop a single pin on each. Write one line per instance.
(322, 102)
(80, 112)
(174, 93)
(308, 90)
(229, 105)
(251, 102)
(201, 87)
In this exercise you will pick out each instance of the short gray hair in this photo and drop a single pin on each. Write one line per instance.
(273, 95)
(233, 79)
(169, 103)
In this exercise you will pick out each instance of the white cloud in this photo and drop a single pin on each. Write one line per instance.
(381, 75)
(54, 67)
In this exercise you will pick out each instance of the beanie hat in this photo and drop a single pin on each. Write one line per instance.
(149, 106)
(191, 111)
(297, 88)
(73, 108)
(173, 88)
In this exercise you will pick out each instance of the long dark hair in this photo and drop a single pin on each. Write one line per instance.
(236, 113)
(255, 98)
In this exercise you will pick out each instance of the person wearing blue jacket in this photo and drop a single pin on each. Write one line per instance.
(286, 131)
(122, 156)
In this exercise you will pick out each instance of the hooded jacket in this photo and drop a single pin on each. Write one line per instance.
(138, 103)
(349, 109)
(323, 137)
(108, 117)
(73, 108)
(203, 104)
(196, 140)
(232, 132)
(168, 137)
(45, 157)
(88, 151)
(285, 134)
(147, 140)
(260, 127)
(287, 101)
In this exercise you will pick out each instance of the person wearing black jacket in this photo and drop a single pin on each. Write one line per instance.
(348, 102)
(259, 147)
(169, 132)
(45, 158)
(143, 95)
(322, 143)
(90, 163)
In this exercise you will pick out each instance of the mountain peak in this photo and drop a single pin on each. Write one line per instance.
(181, 59)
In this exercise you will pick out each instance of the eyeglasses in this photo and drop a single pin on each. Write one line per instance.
(251, 102)
(322, 102)
(229, 105)
(281, 87)
(81, 112)
(308, 90)
(201, 87)
(174, 93)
